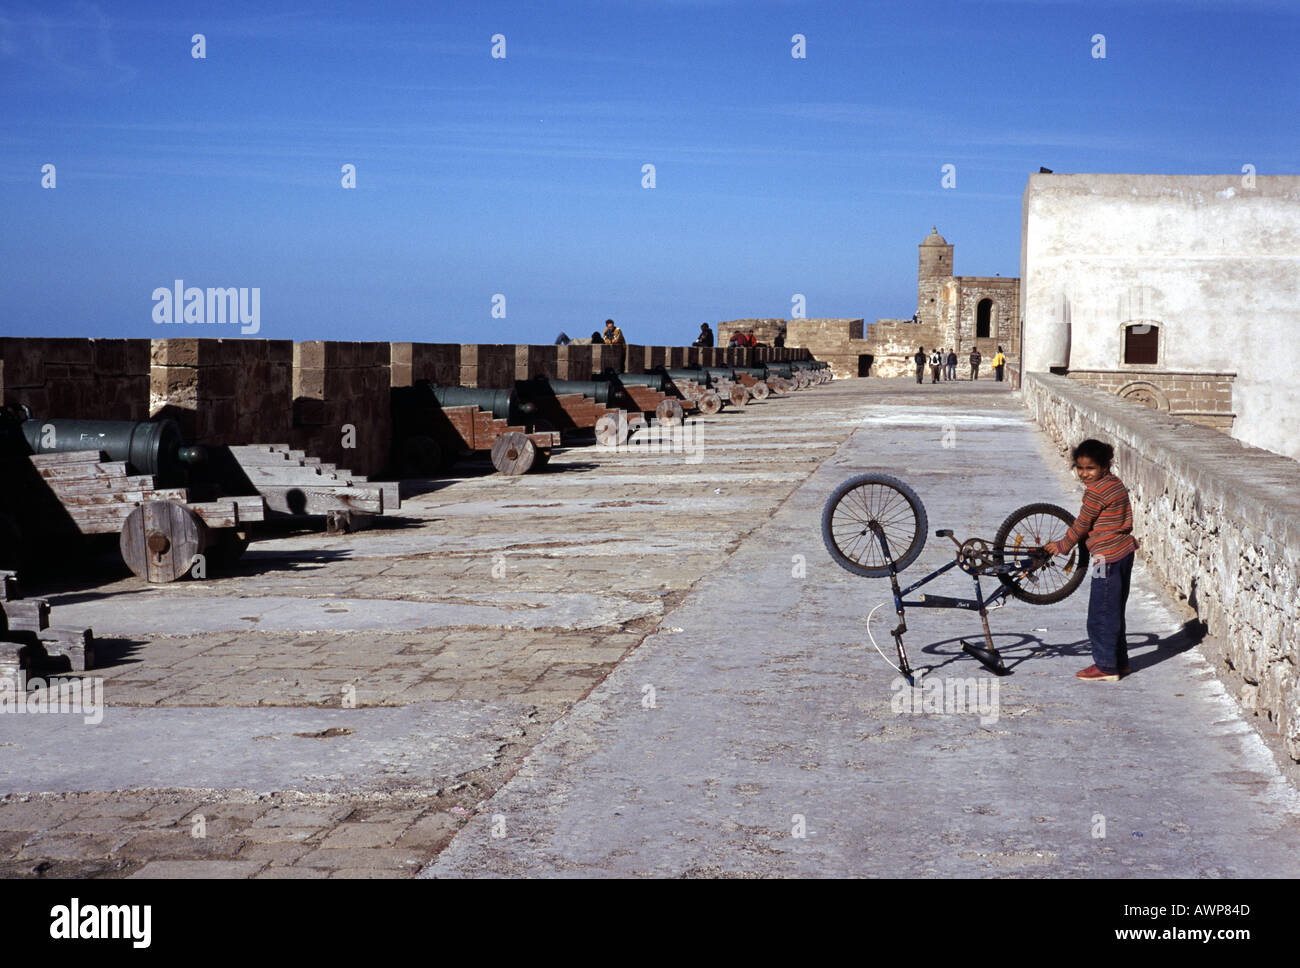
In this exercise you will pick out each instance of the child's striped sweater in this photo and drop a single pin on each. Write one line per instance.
(1106, 520)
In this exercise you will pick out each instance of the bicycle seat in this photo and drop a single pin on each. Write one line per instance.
(945, 533)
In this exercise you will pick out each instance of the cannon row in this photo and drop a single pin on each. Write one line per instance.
(171, 503)
(433, 426)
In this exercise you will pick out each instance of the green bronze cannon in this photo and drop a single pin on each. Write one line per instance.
(152, 447)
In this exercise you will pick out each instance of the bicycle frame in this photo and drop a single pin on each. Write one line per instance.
(988, 655)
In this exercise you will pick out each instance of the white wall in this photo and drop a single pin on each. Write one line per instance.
(1215, 263)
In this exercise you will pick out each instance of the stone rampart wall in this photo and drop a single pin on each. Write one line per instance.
(329, 398)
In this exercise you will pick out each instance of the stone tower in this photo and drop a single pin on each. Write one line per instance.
(933, 272)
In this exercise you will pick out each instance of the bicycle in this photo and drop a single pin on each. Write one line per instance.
(869, 517)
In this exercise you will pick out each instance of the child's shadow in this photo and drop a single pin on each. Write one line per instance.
(1189, 636)
(1028, 647)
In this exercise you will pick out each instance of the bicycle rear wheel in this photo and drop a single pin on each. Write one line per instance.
(873, 498)
(1031, 527)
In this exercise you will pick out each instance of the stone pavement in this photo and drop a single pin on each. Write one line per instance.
(337, 706)
(757, 732)
(346, 706)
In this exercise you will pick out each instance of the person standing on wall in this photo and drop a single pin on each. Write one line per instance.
(920, 364)
(975, 359)
(952, 363)
(936, 364)
(612, 333)
(999, 362)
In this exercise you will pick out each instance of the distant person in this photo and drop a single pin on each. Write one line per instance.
(737, 339)
(595, 338)
(999, 363)
(612, 333)
(916, 318)
(749, 339)
(936, 364)
(706, 336)
(779, 342)
(952, 363)
(920, 364)
(975, 359)
(562, 339)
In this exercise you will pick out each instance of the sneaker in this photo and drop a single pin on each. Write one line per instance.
(1093, 674)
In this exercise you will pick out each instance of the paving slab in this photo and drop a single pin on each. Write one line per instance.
(422, 746)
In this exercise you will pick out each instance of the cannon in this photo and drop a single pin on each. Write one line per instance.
(504, 405)
(434, 425)
(148, 447)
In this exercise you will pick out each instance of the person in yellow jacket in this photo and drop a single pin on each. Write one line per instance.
(999, 364)
(612, 333)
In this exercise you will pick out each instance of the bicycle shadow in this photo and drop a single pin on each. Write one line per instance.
(1017, 648)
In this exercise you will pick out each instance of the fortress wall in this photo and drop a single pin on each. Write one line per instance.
(573, 362)
(1218, 521)
(531, 361)
(437, 362)
(86, 379)
(239, 391)
(341, 411)
(223, 391)
(487, 365)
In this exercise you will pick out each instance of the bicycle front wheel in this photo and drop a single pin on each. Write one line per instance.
(877, 499)
(1027, 529)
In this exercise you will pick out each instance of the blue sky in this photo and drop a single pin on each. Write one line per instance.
(522, 176)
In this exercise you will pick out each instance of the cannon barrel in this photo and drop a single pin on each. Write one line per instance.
(655, 380)
(153, 447)
(699, 376)
(502, 404)
(604, 391)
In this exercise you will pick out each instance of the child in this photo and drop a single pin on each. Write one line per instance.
(1106, 520)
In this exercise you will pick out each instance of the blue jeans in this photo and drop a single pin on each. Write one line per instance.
(1106, 605)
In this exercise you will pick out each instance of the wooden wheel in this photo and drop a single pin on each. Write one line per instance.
(709, 403)
(159, 540)
(759, 391)
(612, 430)
(738, 396)
(669, 412)
(513, 453)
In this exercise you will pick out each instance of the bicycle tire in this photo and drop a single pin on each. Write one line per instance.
(879, 497)
(1033, 526)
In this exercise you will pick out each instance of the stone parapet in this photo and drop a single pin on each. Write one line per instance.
(224, 391)
(82, 379)
(436, 362)
(1217, 521)
(341, 409)
(487, 365)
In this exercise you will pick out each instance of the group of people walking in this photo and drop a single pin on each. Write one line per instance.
(943, 364)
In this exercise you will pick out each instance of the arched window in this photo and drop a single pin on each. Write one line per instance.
(983, 318)
(1142, 344)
